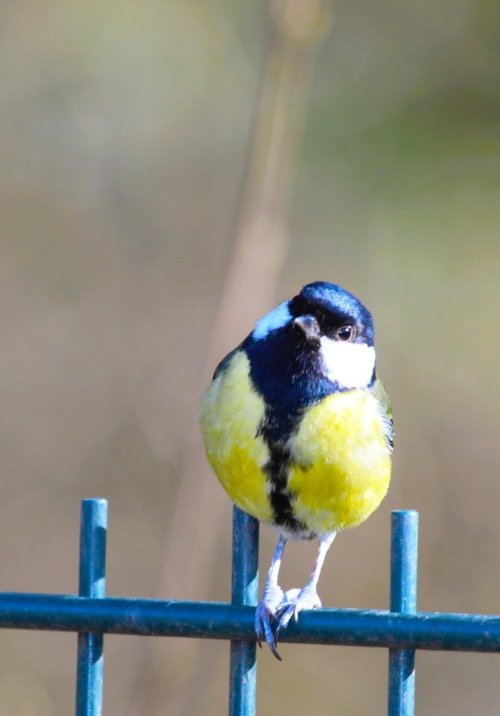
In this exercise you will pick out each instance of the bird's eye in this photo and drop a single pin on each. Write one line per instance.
(345, 333)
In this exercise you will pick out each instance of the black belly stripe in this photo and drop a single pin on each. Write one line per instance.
(276, 431)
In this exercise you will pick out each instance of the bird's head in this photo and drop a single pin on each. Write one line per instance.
(329, 328)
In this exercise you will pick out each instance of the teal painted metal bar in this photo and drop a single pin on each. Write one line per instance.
(404, 559)
(92, 583)
(212, 620)
(245, 586)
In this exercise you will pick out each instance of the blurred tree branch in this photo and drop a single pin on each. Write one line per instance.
(257, 253)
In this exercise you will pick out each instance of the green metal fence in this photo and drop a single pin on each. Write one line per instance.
(91, 614)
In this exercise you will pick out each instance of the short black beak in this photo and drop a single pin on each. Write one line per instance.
(310, 327)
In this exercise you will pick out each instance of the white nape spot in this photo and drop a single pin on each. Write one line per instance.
(348, 364)
(277, 318)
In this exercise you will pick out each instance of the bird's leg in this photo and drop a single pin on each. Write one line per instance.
(295, 600)
(272, 597)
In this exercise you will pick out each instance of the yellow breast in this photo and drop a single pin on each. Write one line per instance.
(340, 468)
(230, 417)
(342, 465)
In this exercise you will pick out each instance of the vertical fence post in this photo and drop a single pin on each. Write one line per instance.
(94, 516)
(245, 586)
(404, 557)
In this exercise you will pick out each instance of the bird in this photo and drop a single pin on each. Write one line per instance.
(298, 429)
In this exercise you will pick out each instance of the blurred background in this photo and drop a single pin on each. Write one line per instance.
(169, 172)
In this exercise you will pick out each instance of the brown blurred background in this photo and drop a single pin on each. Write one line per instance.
(171, 170)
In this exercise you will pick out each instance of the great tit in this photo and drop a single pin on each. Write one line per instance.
(298, 429)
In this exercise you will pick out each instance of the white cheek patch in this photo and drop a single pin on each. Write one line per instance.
(277, 318)
(348, 364)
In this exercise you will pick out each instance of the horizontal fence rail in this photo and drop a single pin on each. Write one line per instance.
(402, 630)
(213, 620)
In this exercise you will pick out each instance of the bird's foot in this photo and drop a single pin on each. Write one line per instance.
(265, 614)
(294, 601)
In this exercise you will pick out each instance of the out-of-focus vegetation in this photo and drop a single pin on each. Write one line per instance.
(124, 130)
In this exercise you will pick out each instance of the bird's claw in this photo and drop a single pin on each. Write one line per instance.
(275, 611)
(294, 601)
(265, 615)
